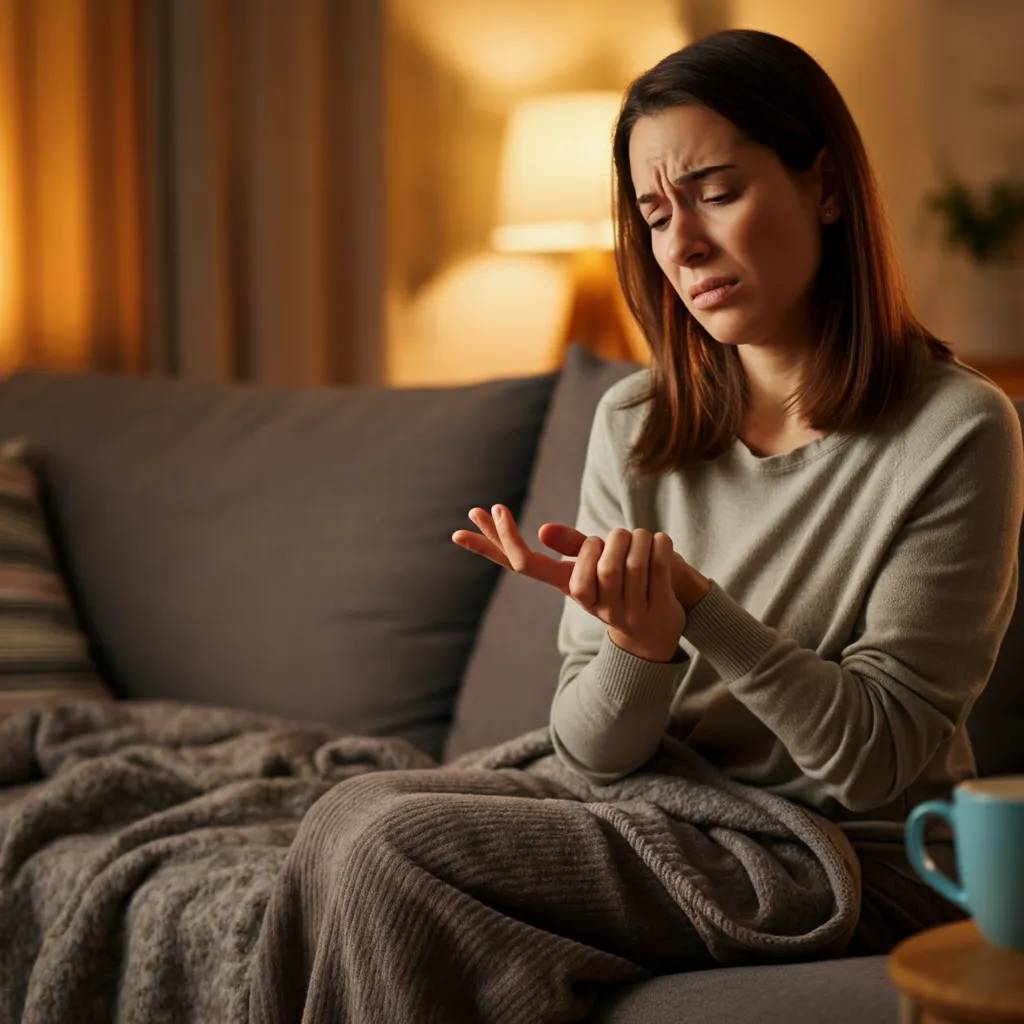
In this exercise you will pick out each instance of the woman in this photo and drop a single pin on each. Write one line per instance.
(797, 538)
(796, 552)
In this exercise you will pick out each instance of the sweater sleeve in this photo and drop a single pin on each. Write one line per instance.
(929, 634)
(611, 708)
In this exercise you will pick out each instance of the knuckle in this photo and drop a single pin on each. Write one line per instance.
(517, 560)
(637, 560)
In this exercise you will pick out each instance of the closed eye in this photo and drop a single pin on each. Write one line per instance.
(717, 200)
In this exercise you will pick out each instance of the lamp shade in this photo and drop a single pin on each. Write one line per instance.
(556, 174)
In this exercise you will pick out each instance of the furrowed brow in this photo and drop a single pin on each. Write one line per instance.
(701, 172)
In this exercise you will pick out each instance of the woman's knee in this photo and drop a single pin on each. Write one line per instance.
(365, 809)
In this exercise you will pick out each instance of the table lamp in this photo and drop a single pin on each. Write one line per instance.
(555, 196)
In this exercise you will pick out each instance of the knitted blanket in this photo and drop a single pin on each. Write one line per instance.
(181, 863)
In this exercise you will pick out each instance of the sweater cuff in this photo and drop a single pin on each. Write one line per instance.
(732, 639)
(628, 681)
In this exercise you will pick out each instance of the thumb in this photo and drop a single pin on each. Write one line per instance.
(561, 538)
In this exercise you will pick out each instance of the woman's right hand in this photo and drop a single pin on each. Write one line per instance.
(500, 541)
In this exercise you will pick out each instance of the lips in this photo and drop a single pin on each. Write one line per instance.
(712, 292)
(710, 284)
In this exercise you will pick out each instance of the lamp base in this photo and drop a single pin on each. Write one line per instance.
(598, 316)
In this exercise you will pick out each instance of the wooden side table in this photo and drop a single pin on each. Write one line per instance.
(952, 975)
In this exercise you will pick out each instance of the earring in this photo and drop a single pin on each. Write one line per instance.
(829, 214)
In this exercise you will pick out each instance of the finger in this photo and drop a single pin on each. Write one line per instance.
(510, 538)
(611, 571)
(561, 538)
(636, 583)
(583, 588)
(539, 567)
(524, 561)
(482, 520)
(660, 577)
(480, 545)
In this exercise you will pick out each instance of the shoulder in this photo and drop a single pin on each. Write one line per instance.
(621, 409)
(628, 388)
(955, 403)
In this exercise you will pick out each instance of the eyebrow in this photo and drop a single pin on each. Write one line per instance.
(697, 175)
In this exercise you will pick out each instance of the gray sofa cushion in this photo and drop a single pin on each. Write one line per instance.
(287, 551)
(848, 991)
(514, 667)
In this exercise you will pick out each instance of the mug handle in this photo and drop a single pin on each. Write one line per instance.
(918, 852)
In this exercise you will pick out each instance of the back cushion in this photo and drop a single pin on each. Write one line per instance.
(286, 551)
(512, 675)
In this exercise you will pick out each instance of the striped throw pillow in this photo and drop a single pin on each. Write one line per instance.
(44, 657)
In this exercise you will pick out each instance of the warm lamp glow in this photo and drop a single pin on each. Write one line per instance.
(556, 174)
(554, 236)
(520, 45)
(508, 44)
(486, 316)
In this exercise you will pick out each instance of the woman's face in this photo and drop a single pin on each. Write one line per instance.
(725, 212)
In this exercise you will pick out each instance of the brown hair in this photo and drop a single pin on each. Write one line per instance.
(872, 346)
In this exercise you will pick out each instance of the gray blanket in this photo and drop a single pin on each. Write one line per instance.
(172, 866)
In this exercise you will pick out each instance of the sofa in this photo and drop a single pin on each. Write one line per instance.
(288, 551)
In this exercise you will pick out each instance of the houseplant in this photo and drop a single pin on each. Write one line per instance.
(983, 226)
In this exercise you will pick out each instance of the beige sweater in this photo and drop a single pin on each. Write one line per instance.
(862, 585)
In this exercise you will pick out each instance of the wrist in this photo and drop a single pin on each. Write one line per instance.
(660, 652)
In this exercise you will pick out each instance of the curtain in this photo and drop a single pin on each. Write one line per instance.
(71, 262)
(192, 188)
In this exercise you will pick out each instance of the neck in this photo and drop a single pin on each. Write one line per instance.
(773, 374)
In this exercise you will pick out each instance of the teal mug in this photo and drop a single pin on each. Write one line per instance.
(987, 821)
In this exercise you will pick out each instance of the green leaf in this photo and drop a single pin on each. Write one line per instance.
(985, 223)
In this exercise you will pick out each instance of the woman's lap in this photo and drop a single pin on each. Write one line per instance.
(475, 885)
(617, 904)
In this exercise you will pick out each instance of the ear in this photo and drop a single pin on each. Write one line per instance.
(825, 181)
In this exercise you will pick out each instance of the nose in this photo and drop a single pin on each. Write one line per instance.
(687, 243)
